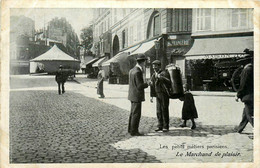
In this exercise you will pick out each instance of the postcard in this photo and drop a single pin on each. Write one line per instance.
(129, 83)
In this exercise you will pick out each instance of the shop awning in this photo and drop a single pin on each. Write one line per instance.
(121, 56)
(99, 62)
(144, 47)
(218, 48)
(91, 61)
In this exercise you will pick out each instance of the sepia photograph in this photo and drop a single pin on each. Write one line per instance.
(130, 85)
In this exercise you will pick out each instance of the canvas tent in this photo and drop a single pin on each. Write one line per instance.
(53, 58)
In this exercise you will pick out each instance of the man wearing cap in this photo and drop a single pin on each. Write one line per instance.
(246, 94)
(61, 78)
(136, 94)
(160, 80)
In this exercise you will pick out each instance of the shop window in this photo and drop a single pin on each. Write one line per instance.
(239, 18)
(203, 19)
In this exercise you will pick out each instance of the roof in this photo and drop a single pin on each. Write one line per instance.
(54, 54)
(99, 62)
(225, 45)
(146, 46)
(122, 56)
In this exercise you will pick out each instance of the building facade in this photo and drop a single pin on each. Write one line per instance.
(220, 38)
(21, 38)
(60, 30)
(163, 34)
(204, 43)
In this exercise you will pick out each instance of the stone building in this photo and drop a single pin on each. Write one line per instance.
(21, 36)
(163, 34)
(220, 39)
(61, 31)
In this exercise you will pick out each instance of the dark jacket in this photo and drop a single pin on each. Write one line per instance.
(246, 88)
(61, 76)
(136, 85)
(159, 85)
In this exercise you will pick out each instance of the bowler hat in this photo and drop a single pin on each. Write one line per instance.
(141, 57)
(157, 62)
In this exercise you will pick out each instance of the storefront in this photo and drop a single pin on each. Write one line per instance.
(177, 47)
(211, 62)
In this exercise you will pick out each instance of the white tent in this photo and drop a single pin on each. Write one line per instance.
(54, 57)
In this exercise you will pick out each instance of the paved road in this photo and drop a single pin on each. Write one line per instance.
(76, 128)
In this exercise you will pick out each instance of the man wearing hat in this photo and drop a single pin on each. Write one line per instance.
(246, 93)
(136, 94)
(160, 80)
(61, 78)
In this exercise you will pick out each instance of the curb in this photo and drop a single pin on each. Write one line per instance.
(195, 93)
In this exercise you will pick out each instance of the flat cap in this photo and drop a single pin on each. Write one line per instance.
(156, 62)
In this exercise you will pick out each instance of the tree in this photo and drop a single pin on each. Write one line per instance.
(87, 38)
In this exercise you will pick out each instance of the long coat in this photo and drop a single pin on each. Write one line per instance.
(136, 85)
(159, 85)
(246, 88)
(100, 87)
(61, 76)
(189, 110)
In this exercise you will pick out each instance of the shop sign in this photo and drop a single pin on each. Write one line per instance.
(179, 42)
(220, 56)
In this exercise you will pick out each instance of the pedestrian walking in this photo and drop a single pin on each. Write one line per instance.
(246, 94)
(189, 111)
(136, 94)
(61, 78)
(100, 84)
(159, 83)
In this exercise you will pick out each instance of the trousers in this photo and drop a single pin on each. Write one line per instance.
(61, 86)
(162, 110)
(247, 116)
(134, 118)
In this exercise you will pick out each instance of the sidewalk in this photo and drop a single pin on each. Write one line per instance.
(221, 105)
(81, 78)
(218, 114)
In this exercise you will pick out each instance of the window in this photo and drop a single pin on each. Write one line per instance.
(115, 16)
(156, 27)
(131, 35)
(105, 26)
(203, 19)
(108, 23)
(124, 12)
(123, 39)
(239, 18)
(139, 30)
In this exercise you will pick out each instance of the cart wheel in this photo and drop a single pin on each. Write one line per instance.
(235, 80)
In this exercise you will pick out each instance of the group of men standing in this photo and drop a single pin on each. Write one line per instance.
(158, 83)
(159, 80)
(136, 95)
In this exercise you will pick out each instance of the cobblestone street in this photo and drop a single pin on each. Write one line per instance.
(77, 128)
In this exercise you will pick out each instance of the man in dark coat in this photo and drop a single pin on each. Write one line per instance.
(160, 80)
(246, 94)
(61, 78)
(136, 94)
